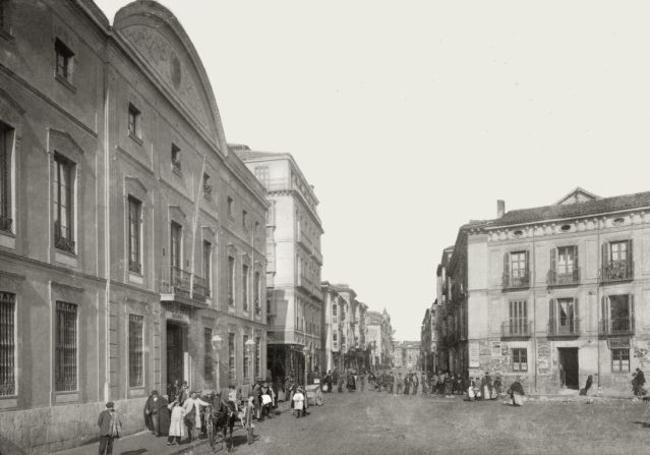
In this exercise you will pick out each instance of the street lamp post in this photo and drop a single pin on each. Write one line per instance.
(250, 344)
(216, 346)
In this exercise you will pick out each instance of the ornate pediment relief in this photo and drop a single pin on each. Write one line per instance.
(163, 46)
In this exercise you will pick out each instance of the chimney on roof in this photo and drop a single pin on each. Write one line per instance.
(501, 208)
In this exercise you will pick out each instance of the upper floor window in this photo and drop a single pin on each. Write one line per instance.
(258, 291)
(517, 324)
(231, 204)
(244, 218)
(176, 237)
(64, 174)
(245, 286)
(563, 320)
(207, 187)
(231, 358)
(515, 270)
(207, 260)
(7, 344)
(564, 266)
(231, 280)
(617, 315)
(176, 158)
(64, 61)
(134, 122)
(208, 362)
(6, 209)
(135, 235)
(617, 263)
(262, 174)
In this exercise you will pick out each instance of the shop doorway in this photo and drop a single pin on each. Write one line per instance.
(568, 365)
(175, 352)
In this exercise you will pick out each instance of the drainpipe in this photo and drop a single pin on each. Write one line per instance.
(598, 315)
(533, 278)
(107, 237)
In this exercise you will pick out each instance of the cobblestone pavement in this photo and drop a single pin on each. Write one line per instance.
(379, 423)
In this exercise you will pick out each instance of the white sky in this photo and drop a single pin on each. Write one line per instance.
(411, 117)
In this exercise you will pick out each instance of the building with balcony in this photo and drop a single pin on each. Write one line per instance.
(552, 294)
(428, 339)
(295, 298)
(380, 339)
(132, 250)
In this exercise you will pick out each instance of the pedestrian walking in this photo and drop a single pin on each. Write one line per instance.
(516, 392)
(299, 403)
(176, 423)
(110, 428)
(638, 381)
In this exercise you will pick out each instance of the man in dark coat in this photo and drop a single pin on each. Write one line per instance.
(110, 427)
(638, 381)
(151, 413)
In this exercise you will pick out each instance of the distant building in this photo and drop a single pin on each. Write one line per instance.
(552, 294)
(379, 339)
(293, 240)
(406, 355)
(428, 339)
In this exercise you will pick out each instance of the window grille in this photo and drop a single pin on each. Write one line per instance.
(7, 344)
(136, 351)
(66, 347)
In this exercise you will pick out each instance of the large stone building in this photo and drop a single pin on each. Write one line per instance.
(379, 339)
(294, 230)
(428, 339)
(556, 293)
(406, 356)
(132, 248)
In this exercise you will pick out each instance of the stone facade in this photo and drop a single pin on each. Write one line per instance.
(555, 294)
(406, 356)
(294, 232)
(126, 210)
(379, 339)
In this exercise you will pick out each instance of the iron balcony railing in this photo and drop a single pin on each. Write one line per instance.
(516, 282)
(617, 326)
(516, 328)
(570, 327)
(180, 280)
(564, 278)
(617, 271)
(63, 237)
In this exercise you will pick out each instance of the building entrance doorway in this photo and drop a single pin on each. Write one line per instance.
(175, 352)
(568, 366)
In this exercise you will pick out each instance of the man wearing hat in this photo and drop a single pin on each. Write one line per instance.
(110, 427)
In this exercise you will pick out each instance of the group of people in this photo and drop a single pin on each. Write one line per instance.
(346, 379)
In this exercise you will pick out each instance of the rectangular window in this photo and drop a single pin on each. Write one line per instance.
(231, 358)
(176, 235)
(246, 358)
(244, 286)
(520, 359)
(176, 158)
(135, 235)
(65, 362)
(518, 265)
(257, 283)
(6, 145)
(566, 257)
(620, 360)
(136, 350)
(244, 219)
(518, 318)
(208, 371)
(231, 281)
(620, 314)
(231, 204)
(564, 320)
(134, 121)
(64, 61)
(262, 174)
(207, 266)
(617, 261)
(64, 173)
(207, 187)
(7, 344)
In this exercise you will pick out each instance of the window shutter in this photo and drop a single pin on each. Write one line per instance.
(631, 310)
(575, 257)
(603, 314)
(630, 258)
(527, 266)
(552, 267)
(551, 315)
(506, 269)
(576, 315)
(604, 258)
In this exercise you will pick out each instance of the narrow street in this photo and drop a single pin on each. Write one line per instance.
(379, 423)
